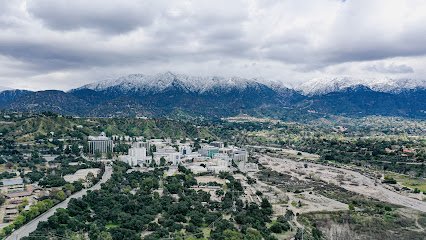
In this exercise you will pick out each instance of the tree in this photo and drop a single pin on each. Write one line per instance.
(90, 178)
(229, 234)
(35, 176)
(2, 199)
(279, 227)
(78, 185)
(162, 161)
(98, 155)
(316, 234)
(253, 234)
(52, 180)
(266, 207)
(105, 236)
(220, 192)
(75, 149)
(59, 195)
(69, 188)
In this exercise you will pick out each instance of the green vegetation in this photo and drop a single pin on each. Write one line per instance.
(5, 175)
(155, 206)
(131, 204)
(410, 182)
(361, 225)
(27, 215)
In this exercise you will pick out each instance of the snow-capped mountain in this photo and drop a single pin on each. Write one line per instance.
(162, 81)
(320, 86)
(2, 89)
(198, 84)
(168, 94)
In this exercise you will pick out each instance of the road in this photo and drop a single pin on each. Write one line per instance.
(31, 226)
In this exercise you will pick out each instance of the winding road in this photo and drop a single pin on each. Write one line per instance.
(31, 226)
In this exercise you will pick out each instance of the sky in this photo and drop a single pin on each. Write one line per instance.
(62, 44)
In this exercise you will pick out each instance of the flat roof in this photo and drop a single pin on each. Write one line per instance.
(12, 181)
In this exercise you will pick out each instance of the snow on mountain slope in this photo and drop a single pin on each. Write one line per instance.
(162, 81)
(2, 89)
(316, 86)
(319, 86)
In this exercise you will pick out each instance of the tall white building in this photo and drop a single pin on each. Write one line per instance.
(101, 144)
(136, 156)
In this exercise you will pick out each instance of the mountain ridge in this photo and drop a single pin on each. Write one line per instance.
(161, 81)
(321, 86)
(215, 97)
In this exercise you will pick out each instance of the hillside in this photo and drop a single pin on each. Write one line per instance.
(31, 127)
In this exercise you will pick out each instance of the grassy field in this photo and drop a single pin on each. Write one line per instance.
(410, 182)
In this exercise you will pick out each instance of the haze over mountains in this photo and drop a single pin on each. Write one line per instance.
(169, 94)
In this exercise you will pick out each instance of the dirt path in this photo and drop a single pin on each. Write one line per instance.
(348, 179)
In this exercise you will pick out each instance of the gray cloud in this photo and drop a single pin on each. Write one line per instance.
(291, 40)
(108, 16)
(390, 68)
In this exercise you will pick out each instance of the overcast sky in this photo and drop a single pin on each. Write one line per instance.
(62, 44)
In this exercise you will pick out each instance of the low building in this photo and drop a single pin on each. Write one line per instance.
(185, 150)
(141, 144)
(240, 156)
(217, 144)
(13, 185)
(169, 154)
(10, 214)
(247, 167)
(208, 151)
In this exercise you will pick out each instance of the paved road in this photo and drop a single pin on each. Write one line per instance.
(26, 229)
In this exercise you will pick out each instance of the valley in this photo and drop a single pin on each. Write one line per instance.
(240, 177)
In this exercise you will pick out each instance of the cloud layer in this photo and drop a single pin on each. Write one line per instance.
(63, 44)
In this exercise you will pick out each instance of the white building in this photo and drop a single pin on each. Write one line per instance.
(141, 144)
(208, 151)
(240, 156)
(221, 159)
(185, 150)
(248, 167)
(169, 153)
(101, 144)
(136, 156)
(158, 143)
(217, 144)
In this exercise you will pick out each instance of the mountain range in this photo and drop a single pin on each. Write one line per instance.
(170, 94)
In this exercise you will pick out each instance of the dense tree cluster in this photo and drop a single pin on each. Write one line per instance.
(135, 204)
(4, 175)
